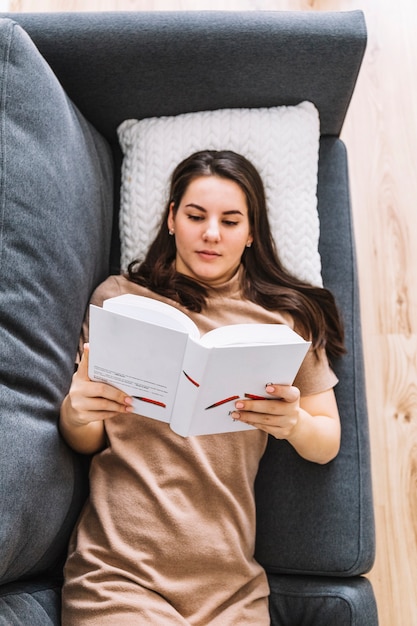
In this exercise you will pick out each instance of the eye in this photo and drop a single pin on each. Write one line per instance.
(230, 223)
(195, 218)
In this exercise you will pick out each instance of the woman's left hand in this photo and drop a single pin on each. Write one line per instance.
(311, 424)
(277, 416)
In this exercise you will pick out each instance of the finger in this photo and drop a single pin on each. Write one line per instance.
(82, 371)
(100, 389)
(255, 418)
(280, 426)
(105, 406)
(93, 401)
(281, 397)
(287, 393)
(89, 397)
(109, 393)
(267, 407)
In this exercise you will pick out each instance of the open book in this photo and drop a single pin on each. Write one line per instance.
(154, 352)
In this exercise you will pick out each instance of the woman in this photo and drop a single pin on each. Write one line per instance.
(167, 535)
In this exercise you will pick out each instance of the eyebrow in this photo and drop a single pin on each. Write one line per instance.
(200, 208)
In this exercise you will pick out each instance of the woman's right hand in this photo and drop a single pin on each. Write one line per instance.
(85, 408)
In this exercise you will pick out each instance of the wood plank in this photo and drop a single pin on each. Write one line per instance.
(379, 133)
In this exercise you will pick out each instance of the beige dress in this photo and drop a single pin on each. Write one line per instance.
(167, 534)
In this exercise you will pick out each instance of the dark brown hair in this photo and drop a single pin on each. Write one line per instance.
(264, 280)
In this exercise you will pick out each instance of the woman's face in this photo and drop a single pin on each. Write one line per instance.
(211, 228)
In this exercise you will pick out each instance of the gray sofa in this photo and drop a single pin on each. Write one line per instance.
(60, 178)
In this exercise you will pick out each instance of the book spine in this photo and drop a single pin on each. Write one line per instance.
(188, 390)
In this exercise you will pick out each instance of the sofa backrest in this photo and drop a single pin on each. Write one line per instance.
(122, 65)
(167, 63)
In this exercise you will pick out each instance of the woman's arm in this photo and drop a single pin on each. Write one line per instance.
(85, 408)
(310, 424)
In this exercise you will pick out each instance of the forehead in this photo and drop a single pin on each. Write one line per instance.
(210, 192)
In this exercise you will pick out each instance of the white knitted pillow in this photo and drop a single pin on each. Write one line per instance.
(282, 142)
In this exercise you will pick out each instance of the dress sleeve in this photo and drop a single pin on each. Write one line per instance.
(315, 374)
(108, 289)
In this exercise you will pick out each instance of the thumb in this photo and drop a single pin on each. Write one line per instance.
(83, 366)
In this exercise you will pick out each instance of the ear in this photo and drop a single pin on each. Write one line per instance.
(249, 241)
(171, 218)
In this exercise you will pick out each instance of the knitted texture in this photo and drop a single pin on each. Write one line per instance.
(281, 142)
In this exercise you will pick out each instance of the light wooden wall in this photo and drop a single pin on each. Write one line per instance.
(381, 136)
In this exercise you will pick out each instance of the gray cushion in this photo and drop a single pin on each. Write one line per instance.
(321, 601)
(315, 519)
(31, 604)
(170, 62)
(55, 219)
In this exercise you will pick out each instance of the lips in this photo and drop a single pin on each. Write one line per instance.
(209, 254)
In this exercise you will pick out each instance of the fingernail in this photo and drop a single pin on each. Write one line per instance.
(239, 405)
(235, 415)
(269, 388)
(128, 401)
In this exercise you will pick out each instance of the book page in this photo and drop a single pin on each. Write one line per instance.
(142, 359)
(229, 373)
(152, 311)
(251, 334)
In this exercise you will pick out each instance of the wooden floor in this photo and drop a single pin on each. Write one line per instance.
(381, 136)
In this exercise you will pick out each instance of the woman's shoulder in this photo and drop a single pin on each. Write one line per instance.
(315, 374)
(109, 288)
(116, 285)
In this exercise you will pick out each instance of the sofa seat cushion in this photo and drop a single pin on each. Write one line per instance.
(35, 603)
(309, 601)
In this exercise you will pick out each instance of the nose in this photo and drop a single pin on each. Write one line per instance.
(212, 232)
